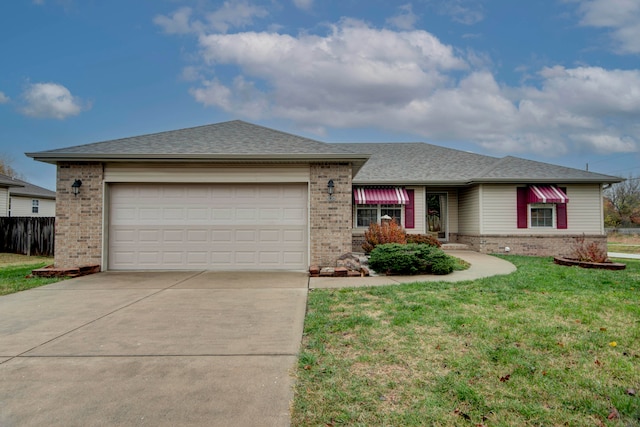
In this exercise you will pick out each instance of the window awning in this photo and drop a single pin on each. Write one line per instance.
(382, 196)
(546, 194)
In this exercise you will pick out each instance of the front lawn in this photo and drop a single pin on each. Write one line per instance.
(623, 243)
(13, 277)
(547, 345)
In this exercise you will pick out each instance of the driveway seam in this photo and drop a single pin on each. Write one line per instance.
(101, 317)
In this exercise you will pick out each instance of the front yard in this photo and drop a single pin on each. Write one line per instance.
(546, 345)
(14, 269)
(623, 243)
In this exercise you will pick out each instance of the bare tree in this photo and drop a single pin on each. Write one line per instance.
(622, 203)
(6, 167)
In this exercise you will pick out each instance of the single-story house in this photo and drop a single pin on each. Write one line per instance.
(235, 195)
(28, 200)
(6, 182)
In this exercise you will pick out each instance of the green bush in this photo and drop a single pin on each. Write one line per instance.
(412, 258)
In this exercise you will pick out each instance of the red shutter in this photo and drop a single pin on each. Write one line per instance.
(409, 211)
(561, 212)
(522, 207)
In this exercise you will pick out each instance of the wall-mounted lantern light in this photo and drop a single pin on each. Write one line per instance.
(75, 187)
(330, 187)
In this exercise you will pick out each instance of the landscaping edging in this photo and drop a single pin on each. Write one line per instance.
(51, 271)
(585, 264)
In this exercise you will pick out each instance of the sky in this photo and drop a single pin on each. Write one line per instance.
(556, 81)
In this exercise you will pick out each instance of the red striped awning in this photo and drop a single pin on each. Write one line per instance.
(380, 196)
(546, 194)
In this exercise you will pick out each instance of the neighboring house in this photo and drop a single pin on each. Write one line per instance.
(6, 182)
(239, 196)
(30, 200)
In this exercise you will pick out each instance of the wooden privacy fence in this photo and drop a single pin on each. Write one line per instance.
(27, 236)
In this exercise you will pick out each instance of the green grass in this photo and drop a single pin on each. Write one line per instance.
(13, 278)
(623, 248)
(534, 348)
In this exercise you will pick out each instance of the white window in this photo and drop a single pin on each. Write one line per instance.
(366, 214)
(35, 205)
(542, 215)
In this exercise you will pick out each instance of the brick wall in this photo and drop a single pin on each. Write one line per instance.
(330, 220)
(528, 245)
(78, 218)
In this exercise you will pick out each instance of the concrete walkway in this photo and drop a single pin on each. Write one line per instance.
(624, 256)
(481, 266)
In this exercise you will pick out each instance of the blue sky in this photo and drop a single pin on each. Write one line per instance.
(553, 80)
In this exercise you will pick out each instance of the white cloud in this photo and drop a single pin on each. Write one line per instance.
(621, 17)
(4, 98)
(232, 14)
(466, 12)
(356, 75)
(303, 4)
(176, 23)
(50, 100)
(405, 19)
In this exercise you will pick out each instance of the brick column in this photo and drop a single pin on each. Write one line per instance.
(330, 220)
(79, 218)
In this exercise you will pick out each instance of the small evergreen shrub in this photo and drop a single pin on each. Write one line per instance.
(387, 232)
(412, 258)
(424, 239)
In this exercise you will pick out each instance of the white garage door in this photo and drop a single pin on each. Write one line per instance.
(208, 226)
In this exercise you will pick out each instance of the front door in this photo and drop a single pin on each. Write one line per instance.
(437, 215)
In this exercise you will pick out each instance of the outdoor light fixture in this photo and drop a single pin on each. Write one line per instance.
(330, 187)
(75, 187)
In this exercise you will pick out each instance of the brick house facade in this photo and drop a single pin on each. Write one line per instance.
(189, 208)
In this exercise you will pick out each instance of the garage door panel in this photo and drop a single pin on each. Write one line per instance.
(222, 236)
(215, 226)
(293, 236)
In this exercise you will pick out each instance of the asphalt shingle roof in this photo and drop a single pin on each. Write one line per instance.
(417, 162)
(7, 181)
(388, 163)
(30, 190)
(426, 163)
(227, 138)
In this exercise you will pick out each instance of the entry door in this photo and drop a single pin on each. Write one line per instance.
(437, 215)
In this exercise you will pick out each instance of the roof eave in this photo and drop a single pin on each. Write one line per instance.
(36, 196)
(357, 160)
(449, 183)
(170, 157)
(551, 180)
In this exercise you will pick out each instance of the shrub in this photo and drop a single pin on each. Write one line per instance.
(589, 252)
(412, 258)
(423, 239)
(379, 234)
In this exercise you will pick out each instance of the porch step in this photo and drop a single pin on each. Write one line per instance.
(455, 247)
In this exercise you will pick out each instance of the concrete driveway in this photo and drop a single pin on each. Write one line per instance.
(161, 348)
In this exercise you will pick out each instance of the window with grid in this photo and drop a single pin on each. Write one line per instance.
(394, 211)
(35, 205)
(367, 214)
(541, 215)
